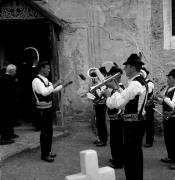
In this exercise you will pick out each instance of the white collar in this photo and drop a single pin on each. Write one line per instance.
(137, 75)
(171, 88)
(42, 77)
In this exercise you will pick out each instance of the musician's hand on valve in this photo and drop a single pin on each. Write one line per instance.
(106, 93)
(61, 81)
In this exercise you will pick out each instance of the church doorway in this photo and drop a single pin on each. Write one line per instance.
(29, 33)
(15, 38)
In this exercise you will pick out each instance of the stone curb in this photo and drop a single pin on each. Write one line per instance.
(19, 147)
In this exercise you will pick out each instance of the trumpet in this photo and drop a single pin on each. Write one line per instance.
(94, 88)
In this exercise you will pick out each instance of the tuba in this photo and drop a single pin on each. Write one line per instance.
(36, 60)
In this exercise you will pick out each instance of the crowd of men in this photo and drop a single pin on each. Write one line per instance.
(130, 110)
(131, 113)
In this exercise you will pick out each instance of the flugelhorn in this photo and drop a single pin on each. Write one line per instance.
(93, 88)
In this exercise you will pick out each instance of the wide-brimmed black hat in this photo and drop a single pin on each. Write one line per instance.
(42, 64)
(171, 73)
(133, 59)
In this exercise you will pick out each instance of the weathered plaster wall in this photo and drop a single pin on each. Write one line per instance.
(104, 31)
(160, 56)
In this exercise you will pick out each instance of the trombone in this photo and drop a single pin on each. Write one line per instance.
(92, 90)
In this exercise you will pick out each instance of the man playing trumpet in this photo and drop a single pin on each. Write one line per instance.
(133, 100)
(167, 100)
(102, 76)
(97, 76)
(116, 120)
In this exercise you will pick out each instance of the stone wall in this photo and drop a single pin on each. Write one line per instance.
(160, 56)
(103, 30)
(109, 30)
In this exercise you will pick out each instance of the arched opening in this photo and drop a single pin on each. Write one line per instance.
(18, 33)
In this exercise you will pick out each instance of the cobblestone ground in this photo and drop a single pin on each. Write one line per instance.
(28, 166)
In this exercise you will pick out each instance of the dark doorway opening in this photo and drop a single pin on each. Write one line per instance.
(14, 38)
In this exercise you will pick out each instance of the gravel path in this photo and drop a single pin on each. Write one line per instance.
(28, 166)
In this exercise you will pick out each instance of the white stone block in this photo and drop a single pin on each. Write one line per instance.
(106, 173)
(89, 162)
(78, 176)
(90, 169)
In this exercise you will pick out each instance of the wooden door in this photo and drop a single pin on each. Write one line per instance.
(55, 73)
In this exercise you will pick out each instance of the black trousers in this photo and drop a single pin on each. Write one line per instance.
(100, 110)
(46, 131)
(116, 141)
(6, 122)
(169, 134)
(149, 131)
(133, 154)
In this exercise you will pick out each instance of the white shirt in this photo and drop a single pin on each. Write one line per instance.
(40, 88)
(119, 99)
(150, 86)
(168, 101)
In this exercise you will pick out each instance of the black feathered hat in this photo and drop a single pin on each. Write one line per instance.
(110, 68)
(103, 71)
(171, 73)
(133, 59)
(114, 70)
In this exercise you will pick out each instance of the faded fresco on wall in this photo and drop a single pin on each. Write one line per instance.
(105, 30)
(162, 60)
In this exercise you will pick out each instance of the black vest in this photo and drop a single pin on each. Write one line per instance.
(170, 95)
(40, 97)
(98, 100)
(132, 106)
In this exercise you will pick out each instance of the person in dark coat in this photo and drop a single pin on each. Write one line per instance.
(8, 92)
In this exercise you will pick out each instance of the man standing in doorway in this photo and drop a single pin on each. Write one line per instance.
(8, 92)
(43, 90)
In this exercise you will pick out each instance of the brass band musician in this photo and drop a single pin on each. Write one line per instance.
(149, 128)
(132, 99)
(168, 102)
(100, 110)
(116, 121)
(43, 89)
